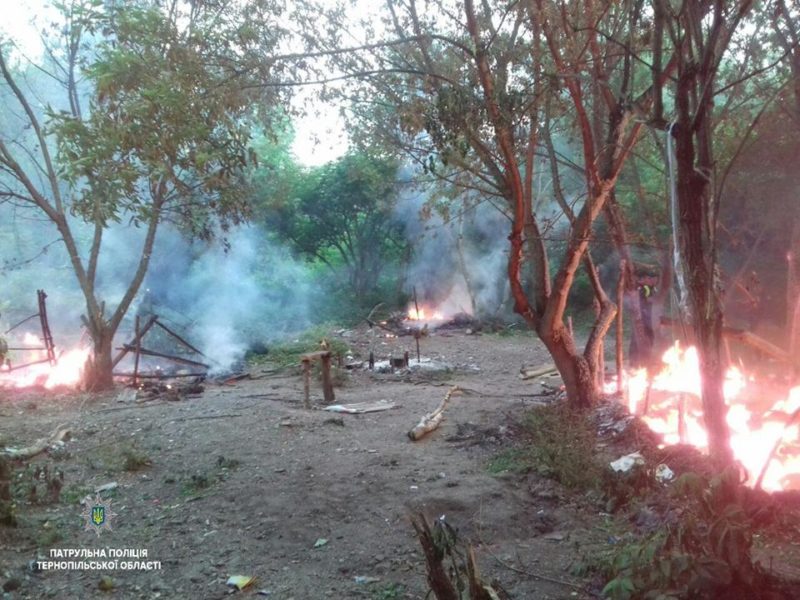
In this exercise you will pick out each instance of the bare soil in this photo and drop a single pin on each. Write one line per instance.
(241, 480)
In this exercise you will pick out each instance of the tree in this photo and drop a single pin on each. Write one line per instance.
(465, 93)
(164, 136)
(700, 33)
(342, 214)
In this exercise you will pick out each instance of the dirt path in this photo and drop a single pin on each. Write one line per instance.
(242, 481)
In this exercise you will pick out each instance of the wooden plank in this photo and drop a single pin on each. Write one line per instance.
(746, 337)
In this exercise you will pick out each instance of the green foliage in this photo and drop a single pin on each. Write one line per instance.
(703, 550)
(287, 354)
(514, 460)
(339, 214)
(389, 591)
(166, 123)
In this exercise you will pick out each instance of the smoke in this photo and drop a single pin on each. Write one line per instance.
(229, 300)
(222, 299)
(458, 255)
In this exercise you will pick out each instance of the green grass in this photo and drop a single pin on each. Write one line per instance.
(559, 444)
(562, 443)
(134, 460)
(73, 494)
(515, 460)
(287, 353)
(389, 591)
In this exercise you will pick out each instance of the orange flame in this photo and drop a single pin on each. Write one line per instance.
(424, 314)
(672, 401)
(66, 371)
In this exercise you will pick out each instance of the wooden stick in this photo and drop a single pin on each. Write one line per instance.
(601, 351)
(37, 448)
(47, 336)
(128, 347)
(138, 351)
(180, 339)
(748, 338)
(533, 372)
(161, 375)
(177, 359)
(432, 420)
(307, 383)
(25, 320)
(620, 328)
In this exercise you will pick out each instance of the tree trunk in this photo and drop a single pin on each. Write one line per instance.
(579, 382)
(98, 375)
(698, 253)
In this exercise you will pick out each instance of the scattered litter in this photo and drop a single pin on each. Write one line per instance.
(414, 487)
(240, 581)
(361, 407)
(627, 462)
(320, 543)
(106, 487)
(264, 593)
(664, 474)
(127, 395)
(363, 579)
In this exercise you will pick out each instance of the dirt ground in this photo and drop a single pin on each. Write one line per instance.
(242, 480)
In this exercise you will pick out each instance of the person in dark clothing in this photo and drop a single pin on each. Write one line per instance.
(641, 351)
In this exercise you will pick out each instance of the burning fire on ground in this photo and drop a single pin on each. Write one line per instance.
(764, 429)
(424, 314)
(66, 370)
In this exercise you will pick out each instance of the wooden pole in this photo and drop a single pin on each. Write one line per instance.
(179, 338)
(620, 328)
(601, 350)
(138, 351)
(327, 381)
(128, 347)
(307, 382)
(47, 336)
(178, 359)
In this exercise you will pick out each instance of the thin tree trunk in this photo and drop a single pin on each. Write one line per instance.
(98, 370)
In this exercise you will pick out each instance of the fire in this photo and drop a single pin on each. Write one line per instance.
(423, 314)
(670, 404)
(66, 371)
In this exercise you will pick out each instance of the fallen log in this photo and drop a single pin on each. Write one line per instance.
(60, 435)
(533, 372)
(432, 420)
